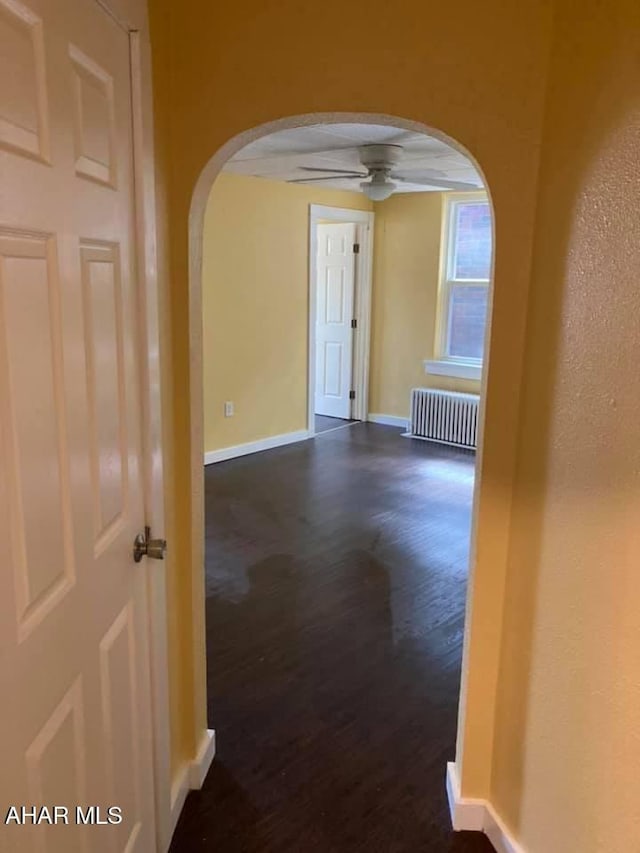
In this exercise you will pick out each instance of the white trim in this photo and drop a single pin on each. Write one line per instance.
(362, 311)
(445, 283)
(465, 814)
(363, 220)
(476, 815)
(190, 777)
(445, 367)
(199, 767)
(151, 294)
(224, 453)
(498, 834)
(388, 420)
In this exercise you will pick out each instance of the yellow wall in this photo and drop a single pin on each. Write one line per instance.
(567, 750)
(224, 68)
(255, 305)
(181, 677)
(549, 711)
(408, 229)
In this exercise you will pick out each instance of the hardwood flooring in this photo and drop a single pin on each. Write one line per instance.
(336, 575)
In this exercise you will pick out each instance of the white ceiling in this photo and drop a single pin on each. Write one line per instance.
(279, 156)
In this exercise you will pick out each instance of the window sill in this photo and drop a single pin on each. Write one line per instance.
(442, 367)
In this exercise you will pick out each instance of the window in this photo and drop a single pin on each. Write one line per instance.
(466, 270)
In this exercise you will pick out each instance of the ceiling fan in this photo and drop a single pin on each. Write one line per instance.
(381, 164)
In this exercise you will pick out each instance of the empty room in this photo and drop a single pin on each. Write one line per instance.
(346, 276)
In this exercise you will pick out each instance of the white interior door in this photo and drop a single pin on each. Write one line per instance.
(334, 313)
(74, 672)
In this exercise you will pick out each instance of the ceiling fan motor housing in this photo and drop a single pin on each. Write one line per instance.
(380, 157)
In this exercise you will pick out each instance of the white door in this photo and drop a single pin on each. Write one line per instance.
(74, 671)
(334, 313)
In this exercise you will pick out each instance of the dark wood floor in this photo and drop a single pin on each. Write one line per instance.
(336, 573)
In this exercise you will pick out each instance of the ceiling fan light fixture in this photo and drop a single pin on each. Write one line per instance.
(378, 188)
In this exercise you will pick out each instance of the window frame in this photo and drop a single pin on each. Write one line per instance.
(451, 202)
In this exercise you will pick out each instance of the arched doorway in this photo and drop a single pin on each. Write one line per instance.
(200, 198)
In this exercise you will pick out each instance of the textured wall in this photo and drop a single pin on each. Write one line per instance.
(567, 746)
(475, 71)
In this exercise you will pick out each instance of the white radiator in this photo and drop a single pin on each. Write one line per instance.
(444, 416)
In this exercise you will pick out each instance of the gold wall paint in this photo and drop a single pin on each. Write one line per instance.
(567, 751)
(255, 280)
(183, 726)
(255, 304)
(407, 239)
(224, 68)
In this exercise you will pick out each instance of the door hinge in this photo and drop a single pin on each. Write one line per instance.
(354, 323)
(352, 395)
(356, 248)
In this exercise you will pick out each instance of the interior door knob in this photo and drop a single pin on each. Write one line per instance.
(145, 546)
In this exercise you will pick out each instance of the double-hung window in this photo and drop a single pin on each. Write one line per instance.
(465, 277)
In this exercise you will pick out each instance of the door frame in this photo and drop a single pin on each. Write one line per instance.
(362, 294)
(151, 296)
(150, 361)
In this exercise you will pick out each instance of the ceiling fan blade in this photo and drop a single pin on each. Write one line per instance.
(350, 177)
(442, 183)
(419, 174)
(335, 171)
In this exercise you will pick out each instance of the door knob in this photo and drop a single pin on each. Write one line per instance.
(145, 546)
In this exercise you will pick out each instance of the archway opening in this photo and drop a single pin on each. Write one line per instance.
(431, 255)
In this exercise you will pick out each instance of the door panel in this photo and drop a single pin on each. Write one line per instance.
(334, 335)
(106, 388)
(24, 123)
(74, 664)
(55, 768)
(332, 369)
(31, 369)
(121, 722)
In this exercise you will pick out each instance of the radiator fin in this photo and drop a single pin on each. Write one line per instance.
(444, 416)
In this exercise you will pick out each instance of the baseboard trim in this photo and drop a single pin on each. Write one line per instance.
(199, 767)
(388, 420)
(474, 815)
(499, 835)
(191, 778)
(255, 446)
(466, 814)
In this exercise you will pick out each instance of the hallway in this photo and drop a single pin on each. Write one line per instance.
(336, 575)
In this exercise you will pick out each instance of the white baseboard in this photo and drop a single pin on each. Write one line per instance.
(474, 815)
(255, 446)
(388, 420)
(200, 765)
(191, 777)
(499, 835)
(465, 814)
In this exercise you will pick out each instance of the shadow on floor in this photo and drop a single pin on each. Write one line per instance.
(323, 423)
(336, 576)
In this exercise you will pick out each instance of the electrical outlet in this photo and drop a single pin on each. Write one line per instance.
(228, 409)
